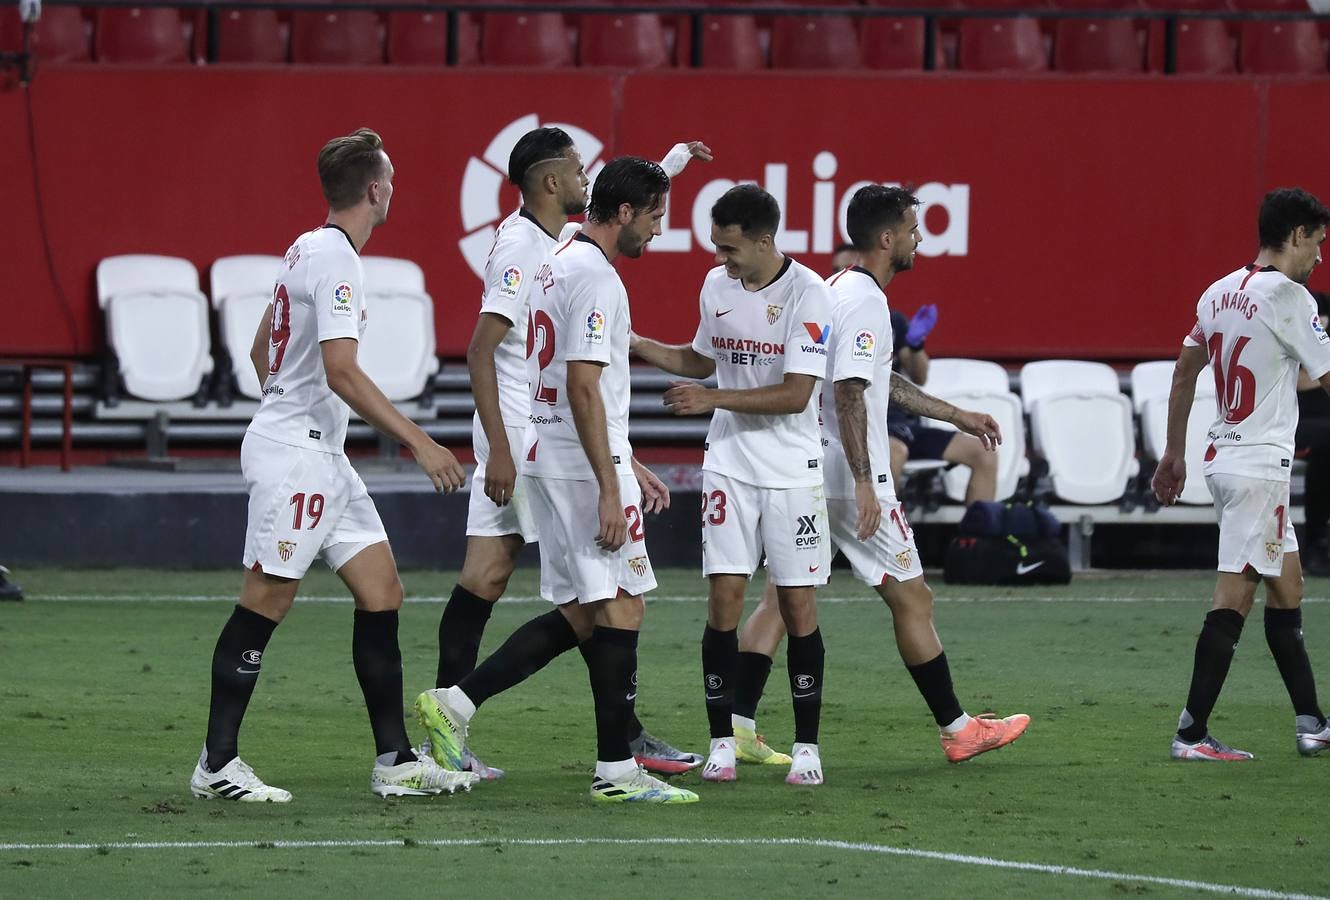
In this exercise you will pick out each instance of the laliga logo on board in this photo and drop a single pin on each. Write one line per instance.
(485, 176)
(829, 204)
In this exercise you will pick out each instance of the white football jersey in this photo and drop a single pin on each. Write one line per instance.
(1258, 327)
(520, 246)
(320, 296)
(860, 347)
(579, 312)
(756, 338)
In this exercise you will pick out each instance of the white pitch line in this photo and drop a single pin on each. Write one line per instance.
(883, 849)
(866, 597)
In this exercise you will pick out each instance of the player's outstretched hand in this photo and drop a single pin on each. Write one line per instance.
(688, 398)
(1170, 477)
(441, 466)
(613, 522)
(655, 495)
(500, 478)
(870, 510)
(699, 150)
(981, 425)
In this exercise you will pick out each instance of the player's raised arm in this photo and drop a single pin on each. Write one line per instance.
(258, 351)
(681, 154)
(347, 380)
(500, 473)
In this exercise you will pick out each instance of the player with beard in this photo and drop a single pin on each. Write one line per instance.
(585, 499)
(548, 170)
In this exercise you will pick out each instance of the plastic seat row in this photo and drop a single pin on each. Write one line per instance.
(158, 323)
(1080, 423)
(357, 37)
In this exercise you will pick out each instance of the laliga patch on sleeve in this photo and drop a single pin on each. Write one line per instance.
(864, 343)
(595, 328)
(341, 298)
(1319, 330)
(510, 282)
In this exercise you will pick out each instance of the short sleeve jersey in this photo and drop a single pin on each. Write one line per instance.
(320, 296)
(579, 312)
(860, 347)
(520, 247)
(757, 338)
(1258, 327)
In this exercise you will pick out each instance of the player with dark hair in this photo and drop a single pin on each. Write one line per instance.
(585, 500)
(548, 170)
(1254, 327)
(867, 522)
(305, 499)
(763, 331)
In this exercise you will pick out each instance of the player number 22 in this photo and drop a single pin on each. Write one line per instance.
(540, 330)
(313, 509)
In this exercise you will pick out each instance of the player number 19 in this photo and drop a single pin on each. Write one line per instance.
(314, 509)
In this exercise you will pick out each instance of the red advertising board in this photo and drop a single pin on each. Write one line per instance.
(1063, 216)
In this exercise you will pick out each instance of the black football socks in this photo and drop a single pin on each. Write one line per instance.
(378, 663)
(933, 678)
(460, 629)
(1283, 632)
(1214, 653)
(805, 658)
(611, 658)
(527, 650)
(750, 680)
(235, 670)
(720, 658)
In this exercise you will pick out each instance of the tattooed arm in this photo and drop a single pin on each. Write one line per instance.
(852, 417)
(908, 397)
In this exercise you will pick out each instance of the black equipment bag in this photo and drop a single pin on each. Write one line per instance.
(1007, 543)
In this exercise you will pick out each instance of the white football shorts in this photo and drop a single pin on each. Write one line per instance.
(1255, 523)
(890, 551)
(741, 521)
(483, 517)
(572, 567)
(303, 503)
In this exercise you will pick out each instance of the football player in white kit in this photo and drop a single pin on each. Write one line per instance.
(584, 497)
(867, 523)
(764, 325)
(305, 499)
(548, 170)
(1254, 327)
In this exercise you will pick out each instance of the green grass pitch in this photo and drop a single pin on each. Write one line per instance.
(104, 693)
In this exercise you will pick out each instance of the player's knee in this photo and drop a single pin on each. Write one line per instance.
(799, 614)
(1285, 592)
(581, 618)
(909, 599)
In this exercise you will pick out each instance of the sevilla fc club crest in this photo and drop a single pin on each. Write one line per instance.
(285, 549)
(1272, 549)
(639, 565)
(773, 313)
(903, 559)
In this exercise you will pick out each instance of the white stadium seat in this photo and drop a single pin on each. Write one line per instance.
(387, 274)
(1151, 383)
(1082, 425)
(1154, 435)
(1005, 407)
(242, 288)
(952, 376)
(397, 351)
(157, 324)
(1060, 376)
